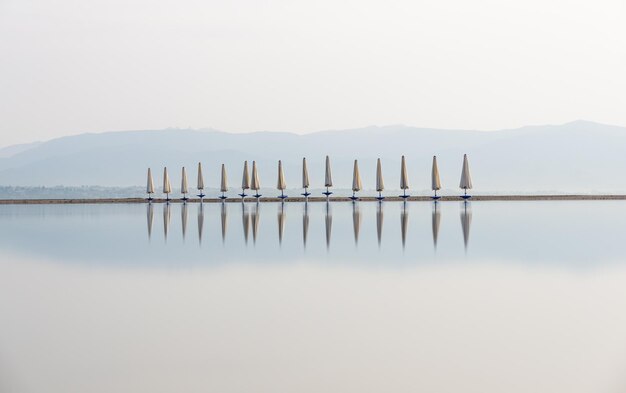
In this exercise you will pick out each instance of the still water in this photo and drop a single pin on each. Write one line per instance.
(479, 297)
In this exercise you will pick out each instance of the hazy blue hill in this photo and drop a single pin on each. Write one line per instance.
(579, 156)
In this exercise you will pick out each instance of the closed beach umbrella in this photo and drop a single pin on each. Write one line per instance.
(356, 181)
(404, 178)
(184, 188)
(435, 180)
(466, 178)
(328, 179)
(281, 184)
(167, 187)
(224, 182)
(200, 181)
(380, 184)
(150, 185)
(305, 178)
(255, 183)
(245, 181)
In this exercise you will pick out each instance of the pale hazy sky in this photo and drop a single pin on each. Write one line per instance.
(73, 66)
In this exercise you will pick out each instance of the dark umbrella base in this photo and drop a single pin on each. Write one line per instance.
(435, 197)
(404, 196)
(466, 196)
(222, 197)
(282, 196)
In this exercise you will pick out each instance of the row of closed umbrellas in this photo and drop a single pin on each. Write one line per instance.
(252, 182)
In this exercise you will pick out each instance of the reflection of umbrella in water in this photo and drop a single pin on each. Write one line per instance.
(166, 219)
(379, 223)
(329, 224)
(466, 222)
(305, 224)
(245, 220)
(224, 216)
(255, 222)
(200, 221)
(281, 223)
(356, 222)
(150, 217)
(436, 220)
(183, 218)
(404, 223)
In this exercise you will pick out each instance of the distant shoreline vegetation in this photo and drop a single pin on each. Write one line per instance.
(93, 192)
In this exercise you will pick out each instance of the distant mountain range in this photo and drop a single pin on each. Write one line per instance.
(580, 156)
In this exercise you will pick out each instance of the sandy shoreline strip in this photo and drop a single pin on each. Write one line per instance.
(317, 199)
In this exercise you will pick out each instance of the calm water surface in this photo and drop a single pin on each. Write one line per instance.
(480, 297)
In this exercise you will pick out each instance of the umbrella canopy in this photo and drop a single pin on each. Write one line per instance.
(328, 180)
(167, 187)
(281, 184)
(200, 177)
(404, 177)
(435, 181)
(380, 184)
(466, 178)
(224, 182)
(150, 185)
(356, 178)
(305, 174)
(183, 183)
(255, 183)
(245, 181)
